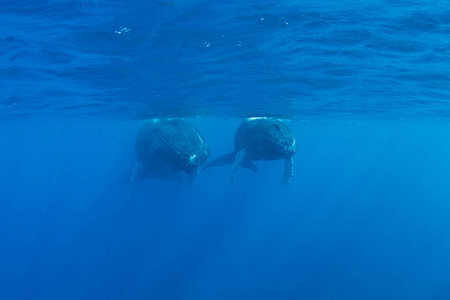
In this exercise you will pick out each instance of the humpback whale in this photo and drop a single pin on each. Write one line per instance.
(167, 146)
(260, 139)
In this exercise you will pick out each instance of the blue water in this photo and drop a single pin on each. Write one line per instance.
(364, 87)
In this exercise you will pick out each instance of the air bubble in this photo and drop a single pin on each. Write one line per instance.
(122, 29)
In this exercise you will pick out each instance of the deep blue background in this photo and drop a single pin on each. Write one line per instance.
(366, 216)
(364, 88)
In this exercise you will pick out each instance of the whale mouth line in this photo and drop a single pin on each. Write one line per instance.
(281, 144)
(171, 146)
(189, 160)
(285, 149)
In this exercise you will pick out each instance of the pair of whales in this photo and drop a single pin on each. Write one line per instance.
(166, 146)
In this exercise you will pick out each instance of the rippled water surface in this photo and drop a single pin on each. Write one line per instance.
(187, 58)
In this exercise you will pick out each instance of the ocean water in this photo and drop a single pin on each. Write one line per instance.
(363, 86)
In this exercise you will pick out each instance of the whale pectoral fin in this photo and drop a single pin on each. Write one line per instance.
(192, 177)
(223, 160)
(240, 157)
(288, 170)
(138, 173)
(249, 164)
